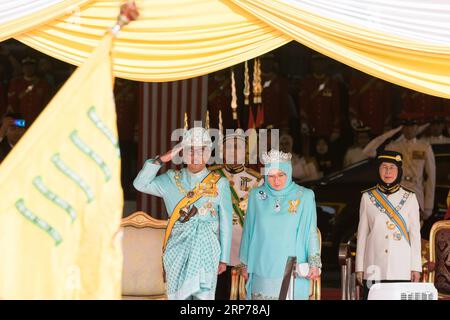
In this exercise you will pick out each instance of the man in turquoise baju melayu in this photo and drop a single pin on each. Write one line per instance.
(199, 205)
(281, 222)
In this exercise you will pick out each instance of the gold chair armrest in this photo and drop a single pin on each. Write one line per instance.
(234, 284)
(238, 290)
(242, 290)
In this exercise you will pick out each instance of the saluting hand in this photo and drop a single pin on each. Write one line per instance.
(168, 156)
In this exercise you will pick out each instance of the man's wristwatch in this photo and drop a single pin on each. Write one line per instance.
(157, 161)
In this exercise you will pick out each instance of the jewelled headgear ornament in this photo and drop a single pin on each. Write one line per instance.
(278, 160)
(195, 137)
(276, 156)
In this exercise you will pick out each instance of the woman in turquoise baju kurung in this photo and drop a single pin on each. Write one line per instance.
(279, 224)
(196, 247)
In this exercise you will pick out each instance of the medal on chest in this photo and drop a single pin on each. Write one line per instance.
(277, 207)
(390, 225)
(207, 207)
(293, 205)
(262, 195)
(243, 203)
(244, 183)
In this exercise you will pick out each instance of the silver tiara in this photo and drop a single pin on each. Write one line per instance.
(274, 156)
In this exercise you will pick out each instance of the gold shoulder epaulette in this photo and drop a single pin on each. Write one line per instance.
(215, 167)
(369, 189)
(254, 173)
(407, 189)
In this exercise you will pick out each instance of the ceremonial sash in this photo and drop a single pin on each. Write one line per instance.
(196, 194)
(240, 213)
(391, 212)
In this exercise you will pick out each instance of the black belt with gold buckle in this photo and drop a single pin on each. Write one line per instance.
(188, 215)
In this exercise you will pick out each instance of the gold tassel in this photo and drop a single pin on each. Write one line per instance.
(220, 135)
(246, 85)
(220, 123)
(257, 88)
(242, 290)
(186, 126)
(207, 120)
(234, 284)
(233, 96)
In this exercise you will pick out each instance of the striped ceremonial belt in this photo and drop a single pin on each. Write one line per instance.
(391, 212)
(235, 201)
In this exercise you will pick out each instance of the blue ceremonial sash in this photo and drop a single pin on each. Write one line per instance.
(386, 207)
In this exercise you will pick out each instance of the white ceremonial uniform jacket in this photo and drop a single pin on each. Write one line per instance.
(382, 252)
(437, 140)
(241, 183)
(354, 155)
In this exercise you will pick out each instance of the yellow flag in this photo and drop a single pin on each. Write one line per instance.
(61, 197)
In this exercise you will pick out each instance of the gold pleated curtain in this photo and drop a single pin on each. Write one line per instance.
(19, 16)
(179, 39)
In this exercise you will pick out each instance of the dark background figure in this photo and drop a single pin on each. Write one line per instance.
(354, 154)
(323, 155)
(126, 98)
(10, 133)
(420, 103)
(45, 71)
(4, 83)
(28, 94)
(436, 131)
(219, 99)
(319, 101)
(275, 95)
(9, 67)
(370, 102)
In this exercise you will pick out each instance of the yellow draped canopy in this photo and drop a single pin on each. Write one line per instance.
(178, 39)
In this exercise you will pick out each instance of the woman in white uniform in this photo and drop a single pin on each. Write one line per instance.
(388, 246)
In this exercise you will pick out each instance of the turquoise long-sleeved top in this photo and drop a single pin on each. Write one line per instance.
(215, 209)
(275, 229)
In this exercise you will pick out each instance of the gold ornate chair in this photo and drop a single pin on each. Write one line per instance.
(142, 276)
(238, 282)
(425, 253)
(439, 262)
